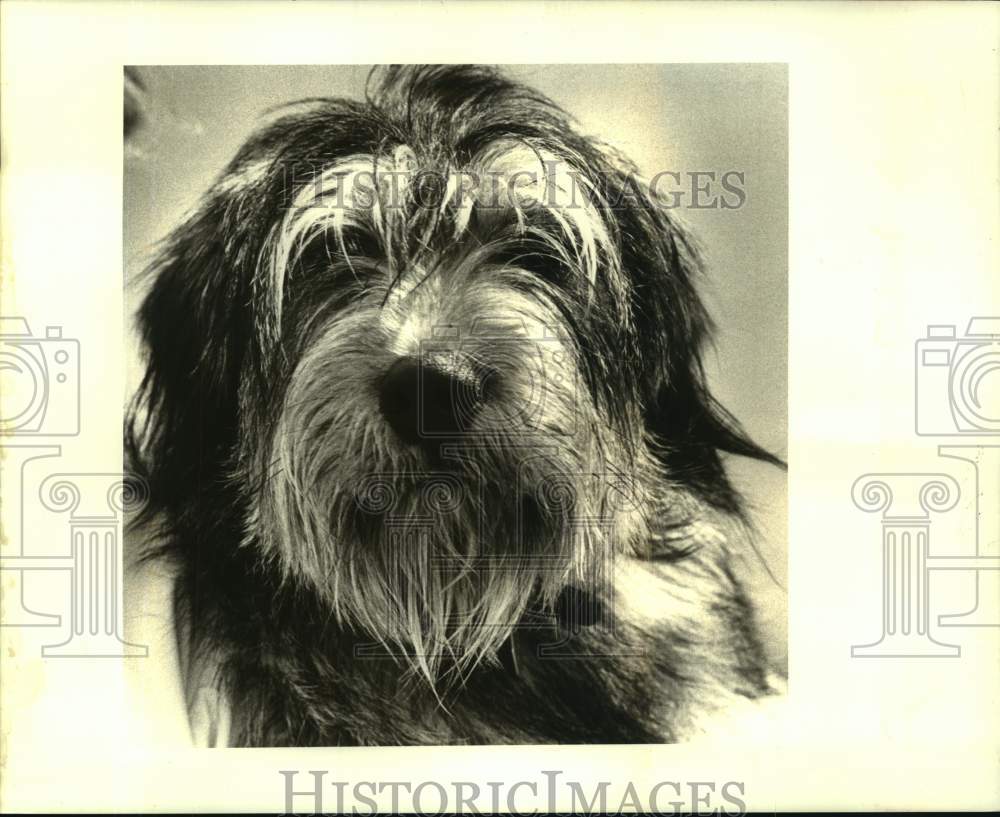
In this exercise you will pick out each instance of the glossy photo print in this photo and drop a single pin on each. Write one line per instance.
(459, 399)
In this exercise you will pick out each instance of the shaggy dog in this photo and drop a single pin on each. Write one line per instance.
(426, 433)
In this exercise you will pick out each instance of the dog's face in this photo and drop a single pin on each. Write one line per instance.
(435, 356)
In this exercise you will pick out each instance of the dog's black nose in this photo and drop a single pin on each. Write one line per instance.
(424, 402)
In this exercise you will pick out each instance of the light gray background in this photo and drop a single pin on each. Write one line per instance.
(676, 117)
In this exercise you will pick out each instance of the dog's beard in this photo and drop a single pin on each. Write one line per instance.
(436, 552)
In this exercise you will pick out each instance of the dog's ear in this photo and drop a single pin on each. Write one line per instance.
(183, 418)
(688, 427)
(692, 429)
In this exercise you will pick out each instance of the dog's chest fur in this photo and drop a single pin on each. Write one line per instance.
(681, 648)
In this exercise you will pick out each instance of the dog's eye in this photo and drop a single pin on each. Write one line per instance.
(331, 252)
(538, 260)
(356, 243)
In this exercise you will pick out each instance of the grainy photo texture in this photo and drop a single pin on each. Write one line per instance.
(423, 410)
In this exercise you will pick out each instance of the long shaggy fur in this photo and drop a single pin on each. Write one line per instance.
(555, 571)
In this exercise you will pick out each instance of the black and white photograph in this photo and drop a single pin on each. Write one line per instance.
(487, 407)
(429, 413)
